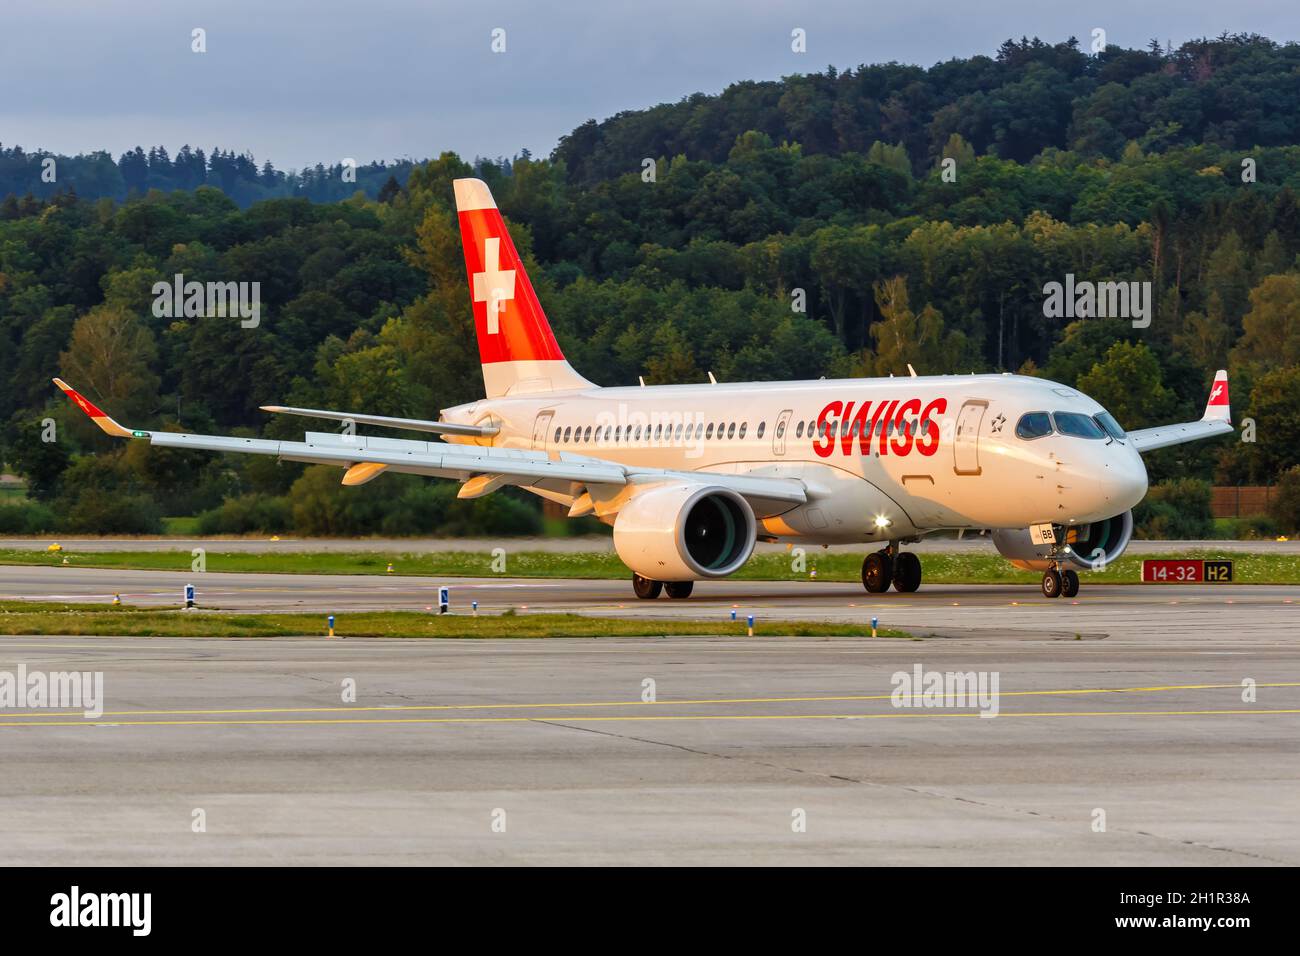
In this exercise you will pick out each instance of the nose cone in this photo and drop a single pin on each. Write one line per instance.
(1124, 479)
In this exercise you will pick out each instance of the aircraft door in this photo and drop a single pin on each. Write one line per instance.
(965, 446)
(541, 427)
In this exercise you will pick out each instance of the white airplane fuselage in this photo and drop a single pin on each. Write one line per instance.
(943, 452)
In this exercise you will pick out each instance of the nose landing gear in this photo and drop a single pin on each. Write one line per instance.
(1057, 583)
(1069, 584)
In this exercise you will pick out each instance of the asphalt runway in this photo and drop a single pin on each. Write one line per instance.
(1150, 613)
(777, 751)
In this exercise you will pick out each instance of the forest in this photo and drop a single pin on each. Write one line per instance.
(843, 223)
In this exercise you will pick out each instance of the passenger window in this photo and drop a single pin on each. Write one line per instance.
(731, 431)
(567, 433)
(557, 436)
(637, 435)
(742, 430)
(1033, 425)
(708, 432)
(798, 432)
(780, 430)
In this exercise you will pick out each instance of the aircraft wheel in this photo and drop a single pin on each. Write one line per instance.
(877, 569)
(1052, 584)
(679, 589)
(907, 572)
(1069, 584)
(646, 589)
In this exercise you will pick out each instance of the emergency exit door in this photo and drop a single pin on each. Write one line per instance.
(542, 425)
(778, 433)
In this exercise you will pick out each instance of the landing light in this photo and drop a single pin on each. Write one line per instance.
(882, 521)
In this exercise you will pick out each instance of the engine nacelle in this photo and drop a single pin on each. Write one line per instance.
(1093, 546)
(685, 532)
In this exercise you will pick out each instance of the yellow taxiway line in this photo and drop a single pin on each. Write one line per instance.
(621, 703)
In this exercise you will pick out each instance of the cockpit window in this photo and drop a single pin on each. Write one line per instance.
(1107, 421)
(1034, 425)
(1077, 425)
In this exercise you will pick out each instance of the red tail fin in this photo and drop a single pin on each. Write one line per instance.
(515, 343)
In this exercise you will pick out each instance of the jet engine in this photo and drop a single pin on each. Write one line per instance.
(685, 532)
(1088, 547)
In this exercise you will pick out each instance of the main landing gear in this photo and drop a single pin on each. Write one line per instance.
(648, 590)
(880, 568)
(1060, 583)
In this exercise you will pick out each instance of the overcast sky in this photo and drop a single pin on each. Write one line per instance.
(301, 81)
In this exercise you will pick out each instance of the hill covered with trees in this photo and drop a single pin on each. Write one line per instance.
(828, 224)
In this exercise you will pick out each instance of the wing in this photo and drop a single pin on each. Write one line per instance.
(1217, 420)
(481, 470)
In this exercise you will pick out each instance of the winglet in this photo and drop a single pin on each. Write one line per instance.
(1217, 408)
(96, 414)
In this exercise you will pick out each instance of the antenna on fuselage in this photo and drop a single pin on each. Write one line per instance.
(712, 380)
(912, 370)
(641, 379)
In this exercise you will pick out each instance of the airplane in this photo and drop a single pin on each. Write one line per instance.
(690, 477)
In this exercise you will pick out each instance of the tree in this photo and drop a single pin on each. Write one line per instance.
(1128, 377)
(390, 190)
(1275, 409)
(891, 157)
(1284, 506)
(904, 337)
(1227, 274)
(1271, 329)
(110, 358)
(41, 462)
(1205, 338)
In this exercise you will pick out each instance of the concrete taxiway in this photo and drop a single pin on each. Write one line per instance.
(778, 751)
(1140, 742)
(1150, 613)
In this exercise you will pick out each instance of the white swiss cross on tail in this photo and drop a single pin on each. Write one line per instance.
(493, 285)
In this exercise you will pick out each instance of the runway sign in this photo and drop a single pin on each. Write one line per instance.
(1186, 572)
